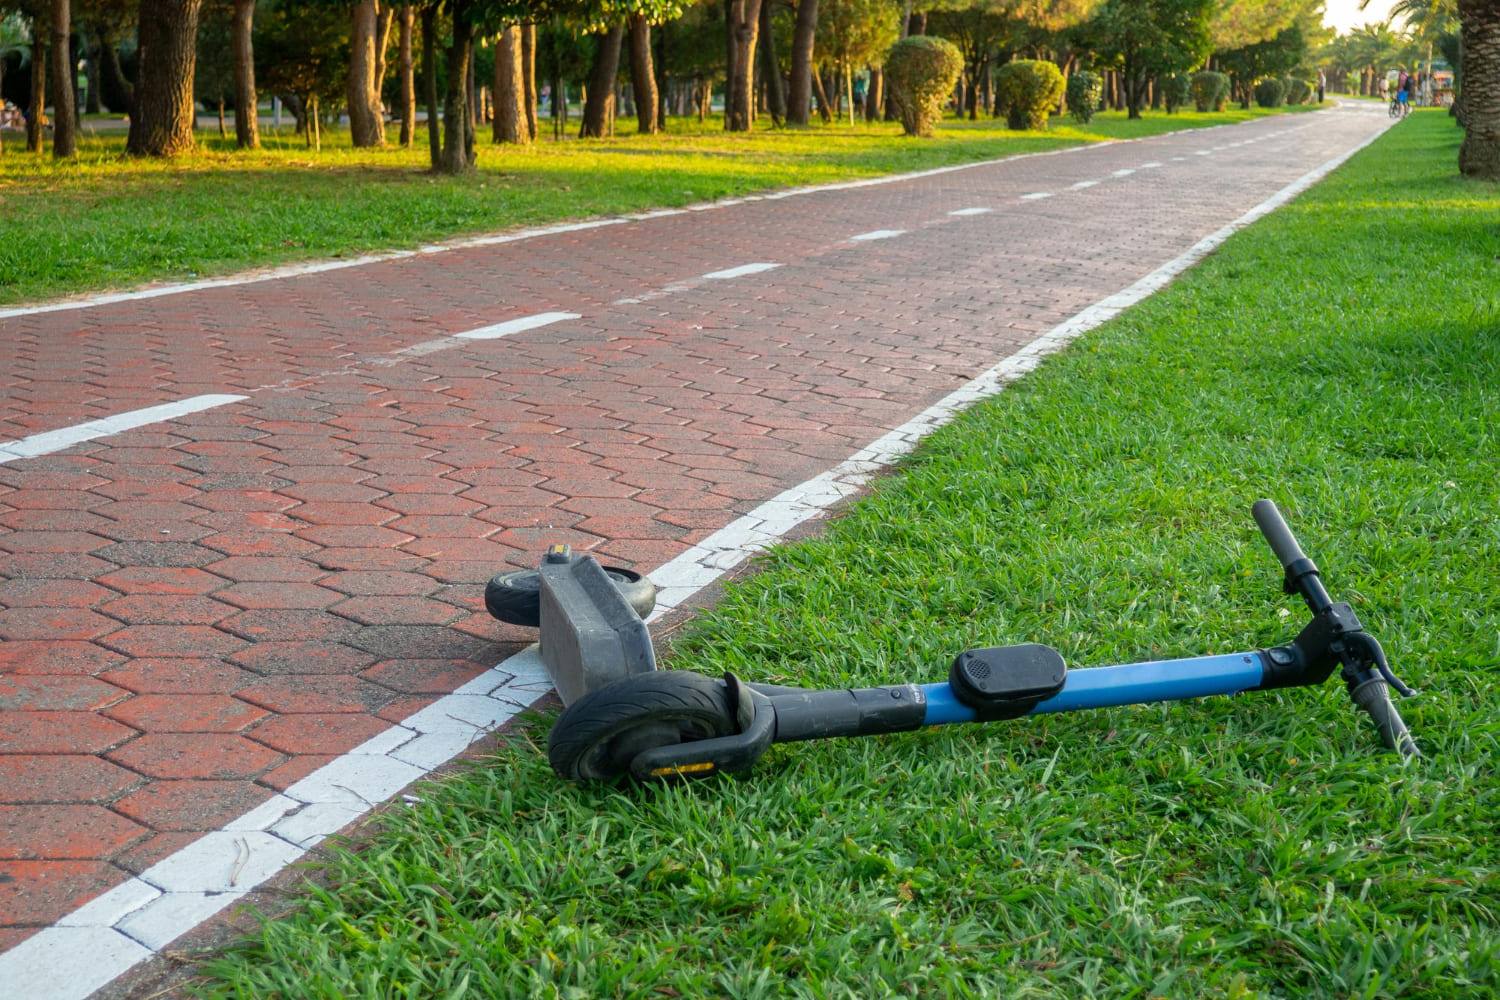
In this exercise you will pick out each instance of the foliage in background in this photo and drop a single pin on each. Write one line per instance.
(1210, 90)
(1028, 91)
(1176, 90)
(921, 72)
(1085, 90)
(1270, 93)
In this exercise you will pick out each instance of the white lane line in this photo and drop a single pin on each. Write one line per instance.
(1122, 172)
(1082, 184)
(65, 437)
(1150, 166)
(971, 211)
(1178, 159)
(877, 234)
(517, 325)
(1202, 152)
(739, 272)
(105, 938)
(1036, 196)
(492, 239)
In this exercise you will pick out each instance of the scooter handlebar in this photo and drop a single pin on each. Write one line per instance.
(1273, 526)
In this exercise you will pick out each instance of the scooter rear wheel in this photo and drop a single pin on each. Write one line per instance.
(516, 597)
(597, 737)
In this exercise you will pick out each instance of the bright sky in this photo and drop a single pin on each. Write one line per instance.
(1345, 14)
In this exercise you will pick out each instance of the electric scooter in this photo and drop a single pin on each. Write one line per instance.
(623, 717)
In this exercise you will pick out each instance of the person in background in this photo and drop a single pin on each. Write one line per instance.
(1385, 88)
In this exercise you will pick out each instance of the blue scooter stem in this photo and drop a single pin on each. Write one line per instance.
(1124, 684)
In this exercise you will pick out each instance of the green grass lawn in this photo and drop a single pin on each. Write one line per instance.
(1341, 356)
(106, 221)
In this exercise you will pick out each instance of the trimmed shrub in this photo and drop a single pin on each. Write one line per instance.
(1085, 90)
(1210, 90)
(921, 71)
(1270, 93)
(1176, 90)
(1027, 90)
(1298, 91)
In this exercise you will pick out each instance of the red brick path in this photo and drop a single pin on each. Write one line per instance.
(200, 611)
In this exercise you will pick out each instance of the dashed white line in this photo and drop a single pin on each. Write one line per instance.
(740, 272)
(1123, 172)
(971, 211)
(1178, 159)
(1036, 196)
(1083, 184)
(877, 234)
(65, 437)
(1203, 152)
(1150, 166)
(517, 325)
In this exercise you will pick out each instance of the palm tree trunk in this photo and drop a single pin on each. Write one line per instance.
(1479, 156)
(528, 74)
(770, 70)
(739, 99)
(429, 83)
(457, 156)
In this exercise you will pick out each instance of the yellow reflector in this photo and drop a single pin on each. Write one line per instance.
(699, 768)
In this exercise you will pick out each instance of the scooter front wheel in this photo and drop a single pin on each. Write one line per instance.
(597, 737)
(516, 597)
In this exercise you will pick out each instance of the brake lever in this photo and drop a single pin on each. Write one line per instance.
(1376, 655)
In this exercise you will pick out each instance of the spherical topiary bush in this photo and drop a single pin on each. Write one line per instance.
(1270, 93)
(1176, 90)
(1210, 90)
(1298, 91)
(1084, 91)
(921, 71)
(1027, 90)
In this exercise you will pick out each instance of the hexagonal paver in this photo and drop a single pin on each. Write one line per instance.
(56, 692)
(161, 580)
(51, 624)
(302, 658)
(325, 733)
(48, 657)
(317, 693)
(61, 778)
(434, 677)
(172, 640)
(190, 805)
(166, 609)
(195, 755)
(396, 611)
(43, 891)
(186, 713)
(32, 731)
(64, 832)
(178, 675)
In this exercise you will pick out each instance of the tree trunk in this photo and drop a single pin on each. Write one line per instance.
(91, 101)
(916, 24)
(1479, 156)
(771, 67)
(64, 117)
(875, 95)
(162, 121)
(824, 111)
(109, 60)
(457, 156)
(799, 91)
(528, 74)
(36, 112)
(405, 18)
(246, 114)
(510, 89)
(366, 127)
(429, 83)
(598, 105)
(744, 25)
(643, 76)
(223, 132)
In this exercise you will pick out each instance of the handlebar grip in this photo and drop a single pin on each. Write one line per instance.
(1278, 535)
(1372, 697)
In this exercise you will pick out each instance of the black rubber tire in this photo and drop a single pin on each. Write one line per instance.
(597, 737)
(516, 597)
